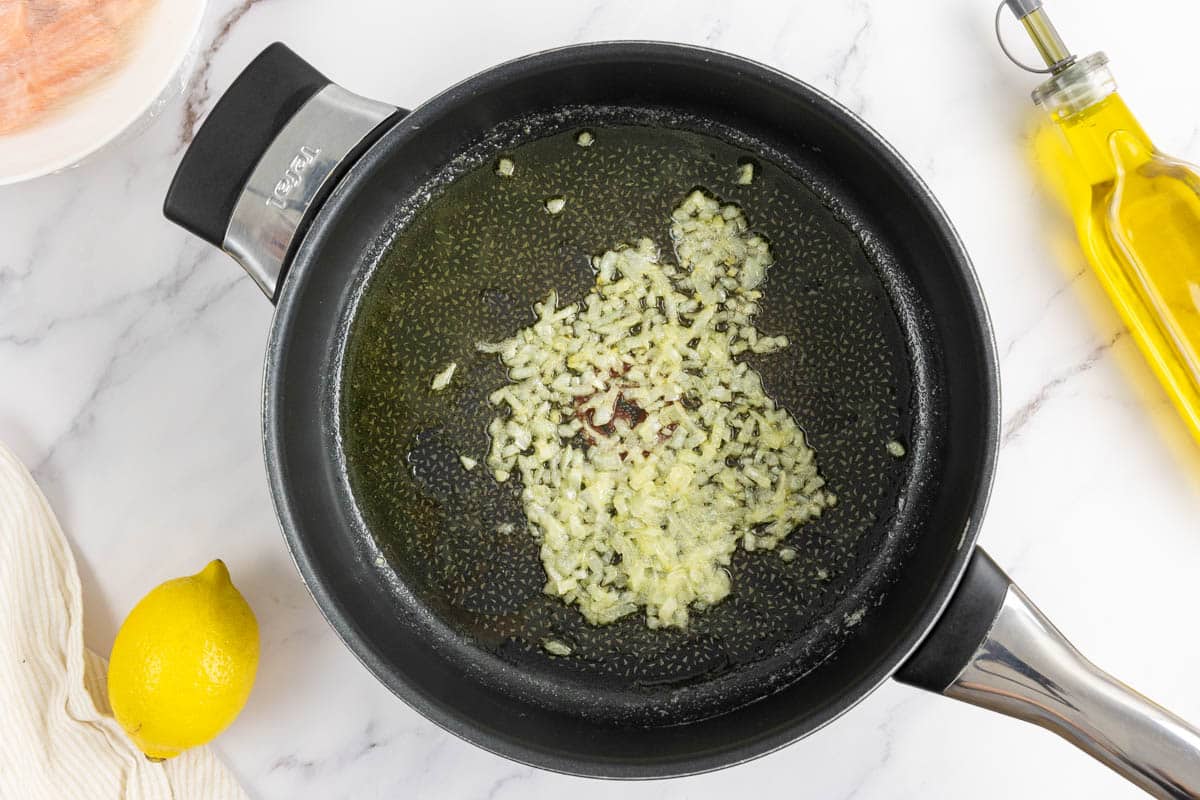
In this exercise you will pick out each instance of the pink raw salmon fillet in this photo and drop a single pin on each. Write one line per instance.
(51, 50)
(14, 29)
(120, 12)
(18, 106)
(69, 52)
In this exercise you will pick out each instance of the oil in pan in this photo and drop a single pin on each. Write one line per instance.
(469, 265)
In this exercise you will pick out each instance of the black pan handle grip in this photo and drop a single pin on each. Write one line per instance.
(993, 648)
(239, 130)
(962, 627)
(268, 154)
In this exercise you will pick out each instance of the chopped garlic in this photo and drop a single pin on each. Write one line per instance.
(787, 554)
(896, 449)
(555, 647)
(505, 168)
(646, 458)
(468, 463)
(442, 379)
(556, 204)
(746, 173)
(585, 139)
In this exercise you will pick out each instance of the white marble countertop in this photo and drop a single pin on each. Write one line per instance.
(131, 353)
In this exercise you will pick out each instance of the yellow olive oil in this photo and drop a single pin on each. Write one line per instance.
(1137, 214)
(1136, 210)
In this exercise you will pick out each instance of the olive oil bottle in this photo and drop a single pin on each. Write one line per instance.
(1136, 210)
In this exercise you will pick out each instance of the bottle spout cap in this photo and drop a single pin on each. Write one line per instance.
(1041, 30)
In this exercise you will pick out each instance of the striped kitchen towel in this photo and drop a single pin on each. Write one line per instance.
(58, 738)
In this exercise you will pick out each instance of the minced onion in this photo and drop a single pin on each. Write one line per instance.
(442, 379)
(557, 648)
(646, 451)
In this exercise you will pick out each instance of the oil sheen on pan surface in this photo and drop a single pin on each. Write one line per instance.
(468, 267)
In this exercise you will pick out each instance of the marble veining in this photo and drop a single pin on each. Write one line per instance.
(198, 93)
(1021, 417)
(131, 364)
(849, 66)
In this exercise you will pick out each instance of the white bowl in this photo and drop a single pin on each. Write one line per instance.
(100, 113)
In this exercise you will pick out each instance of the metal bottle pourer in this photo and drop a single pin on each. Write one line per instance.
(1043, 33)
(1074, 83)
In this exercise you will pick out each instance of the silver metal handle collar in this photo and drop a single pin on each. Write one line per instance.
(291, 174)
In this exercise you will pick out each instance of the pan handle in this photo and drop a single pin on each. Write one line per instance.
(992, 647)
(272, 149)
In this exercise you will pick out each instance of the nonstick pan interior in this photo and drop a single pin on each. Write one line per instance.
(400, 548)
(466, 264)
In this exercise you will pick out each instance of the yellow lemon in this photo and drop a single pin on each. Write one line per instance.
(183, 662)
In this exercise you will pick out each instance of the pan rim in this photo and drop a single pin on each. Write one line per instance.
(495, 741)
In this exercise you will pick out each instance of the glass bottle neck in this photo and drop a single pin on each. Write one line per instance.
(1083, 103)
(1084, 83)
